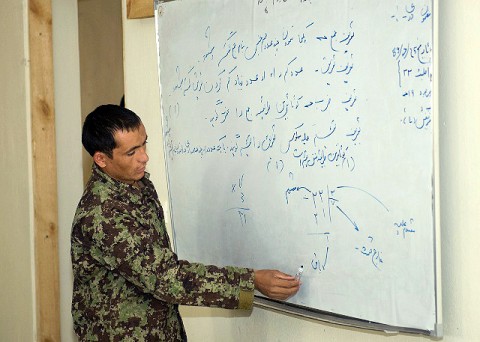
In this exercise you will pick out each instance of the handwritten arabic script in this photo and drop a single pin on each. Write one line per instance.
(299, 132)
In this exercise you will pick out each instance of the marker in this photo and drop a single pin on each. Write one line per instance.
(299, 273)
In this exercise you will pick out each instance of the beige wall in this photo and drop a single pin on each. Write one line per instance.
(68, 121)
(17, 300)
(459, 167)
(141, 91)
(101, 46)
(88, 62)
(101, 59)
(460, 200)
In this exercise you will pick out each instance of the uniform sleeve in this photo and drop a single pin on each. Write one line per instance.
(139, 253)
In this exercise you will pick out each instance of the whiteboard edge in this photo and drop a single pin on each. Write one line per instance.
(157, 15)
(438, 332)
(265, 303)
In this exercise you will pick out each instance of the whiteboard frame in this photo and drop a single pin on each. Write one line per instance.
(329, 317)
(438, 332)
(323, 316)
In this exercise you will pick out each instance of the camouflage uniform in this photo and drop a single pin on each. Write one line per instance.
(127, 281)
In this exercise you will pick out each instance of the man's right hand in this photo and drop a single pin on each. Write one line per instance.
(275, 284)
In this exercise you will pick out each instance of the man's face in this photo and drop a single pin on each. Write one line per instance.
(129, 158)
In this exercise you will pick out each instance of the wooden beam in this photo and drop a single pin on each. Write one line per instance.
(137, 9)
(44, 170)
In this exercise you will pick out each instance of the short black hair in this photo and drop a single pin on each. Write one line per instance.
(100, 126)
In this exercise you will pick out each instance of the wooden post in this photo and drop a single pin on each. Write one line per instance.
(44, 170)
(137, 9)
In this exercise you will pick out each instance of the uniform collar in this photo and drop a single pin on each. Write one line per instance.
(119, 186)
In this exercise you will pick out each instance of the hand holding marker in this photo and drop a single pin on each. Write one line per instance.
(299, 273)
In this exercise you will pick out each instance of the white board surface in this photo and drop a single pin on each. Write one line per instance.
(301, 133)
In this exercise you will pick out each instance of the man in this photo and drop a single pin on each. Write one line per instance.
(128, 283)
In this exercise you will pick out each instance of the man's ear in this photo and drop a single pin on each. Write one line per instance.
(100, 159)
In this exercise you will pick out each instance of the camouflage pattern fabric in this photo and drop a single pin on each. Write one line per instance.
(128, 283)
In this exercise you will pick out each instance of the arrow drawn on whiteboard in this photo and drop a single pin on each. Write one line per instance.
(328, 199)
(351, 221)
(366, 192)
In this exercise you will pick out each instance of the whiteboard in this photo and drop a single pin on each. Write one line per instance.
(301, 133)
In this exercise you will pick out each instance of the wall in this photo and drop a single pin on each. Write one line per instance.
(141, 91)
(101, 60)
(101, 45)
(459, 165)
(68, 121)
(88, 62)
(17, 300)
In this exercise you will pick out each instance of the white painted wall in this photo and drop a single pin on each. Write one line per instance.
(68, 121)
(459, 51)
(17, 299)
(460, 167)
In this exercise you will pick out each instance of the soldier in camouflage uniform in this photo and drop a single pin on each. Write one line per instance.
(128, 283)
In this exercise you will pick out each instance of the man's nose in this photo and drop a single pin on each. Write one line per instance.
(143, 156)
